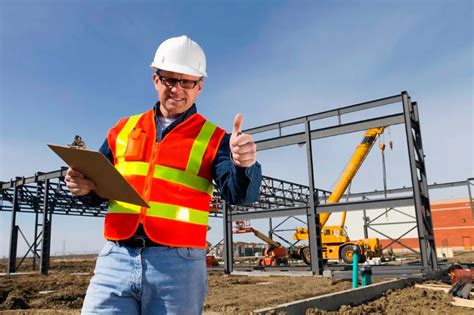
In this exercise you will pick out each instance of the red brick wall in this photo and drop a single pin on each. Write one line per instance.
(453, 227)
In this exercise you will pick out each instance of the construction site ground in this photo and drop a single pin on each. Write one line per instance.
(63, 291)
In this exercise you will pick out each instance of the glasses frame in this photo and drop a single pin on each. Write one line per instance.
(166, 83)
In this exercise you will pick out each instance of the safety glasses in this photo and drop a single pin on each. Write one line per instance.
(170, 82)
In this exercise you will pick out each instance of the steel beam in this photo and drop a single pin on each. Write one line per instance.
(33, 179)
(329, 208)
(408, 189)
(367, 204)
(298, 138)
(273, 213)
(330, 113)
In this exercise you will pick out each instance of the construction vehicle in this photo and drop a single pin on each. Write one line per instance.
(274, 255)
(336, 244)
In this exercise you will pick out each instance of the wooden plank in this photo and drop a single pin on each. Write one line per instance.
(436, 287)
(462, 302)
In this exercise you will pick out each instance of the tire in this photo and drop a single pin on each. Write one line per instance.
(306, 255)
(346, 254)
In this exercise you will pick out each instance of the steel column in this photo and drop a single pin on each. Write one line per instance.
(46, 242)
(37, 210)
(469, 192)
(420, 189)
(13, 234)
(366, 220)
(228, 248)
(270, 229)
(314, 225)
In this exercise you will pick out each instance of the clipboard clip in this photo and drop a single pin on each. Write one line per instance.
(78, 143)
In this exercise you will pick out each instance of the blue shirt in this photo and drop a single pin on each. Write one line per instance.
(237, 185)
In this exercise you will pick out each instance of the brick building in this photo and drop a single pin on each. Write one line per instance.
(453, 223)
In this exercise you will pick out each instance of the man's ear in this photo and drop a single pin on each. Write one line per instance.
(156, 80)
(200, 85)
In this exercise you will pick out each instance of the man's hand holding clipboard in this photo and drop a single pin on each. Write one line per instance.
(77, 183)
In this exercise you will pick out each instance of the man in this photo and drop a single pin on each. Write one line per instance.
(154, 259)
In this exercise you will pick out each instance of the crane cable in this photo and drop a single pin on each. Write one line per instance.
(384, 168)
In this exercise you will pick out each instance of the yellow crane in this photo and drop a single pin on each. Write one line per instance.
(335, 241)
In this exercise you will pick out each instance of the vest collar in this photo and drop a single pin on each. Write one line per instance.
(159, 135)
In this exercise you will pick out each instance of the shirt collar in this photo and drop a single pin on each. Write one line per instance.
(192, 110)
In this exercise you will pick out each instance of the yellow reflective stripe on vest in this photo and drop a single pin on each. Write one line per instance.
(133, 168)
(122, 137)
(123, 207)
(183, 178)
(166, 173)
(178, 213)
(199, 147)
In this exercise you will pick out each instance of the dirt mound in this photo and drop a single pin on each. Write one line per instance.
(242, 294)
(15, 300)
(59, 290)
(410, 300)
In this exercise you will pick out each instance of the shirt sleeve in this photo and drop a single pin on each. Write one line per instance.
(237, 185)
(92, 199)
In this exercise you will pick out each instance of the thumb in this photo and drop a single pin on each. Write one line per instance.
(237, 126)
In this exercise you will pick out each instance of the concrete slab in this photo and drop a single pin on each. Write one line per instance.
(262, 273)
(2, 274)
(333, 301)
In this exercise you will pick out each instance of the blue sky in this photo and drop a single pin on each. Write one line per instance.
(76, 67)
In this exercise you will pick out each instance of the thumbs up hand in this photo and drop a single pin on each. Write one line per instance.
(242, 147)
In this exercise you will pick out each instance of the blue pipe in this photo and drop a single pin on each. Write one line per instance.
(366, 275)
(355, 266)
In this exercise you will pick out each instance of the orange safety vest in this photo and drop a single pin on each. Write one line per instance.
(173, 176)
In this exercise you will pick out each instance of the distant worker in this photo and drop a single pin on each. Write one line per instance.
(154, 258)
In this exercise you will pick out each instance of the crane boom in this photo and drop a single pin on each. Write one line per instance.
(243, 227)
(351, 169)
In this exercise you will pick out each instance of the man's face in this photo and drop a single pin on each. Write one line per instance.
(175, 99)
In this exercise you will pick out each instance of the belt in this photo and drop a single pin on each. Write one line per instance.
(138, 242)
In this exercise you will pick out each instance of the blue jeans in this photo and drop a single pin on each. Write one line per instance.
(153, 280)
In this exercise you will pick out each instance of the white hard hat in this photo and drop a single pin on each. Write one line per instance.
(182, 55)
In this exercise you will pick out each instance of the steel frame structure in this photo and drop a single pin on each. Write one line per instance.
(274, 194)
(369, 224)
(45, 194)
(407, 115)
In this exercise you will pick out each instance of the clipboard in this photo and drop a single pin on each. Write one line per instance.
(110, 184)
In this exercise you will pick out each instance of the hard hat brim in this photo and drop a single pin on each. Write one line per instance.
(178, 69)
